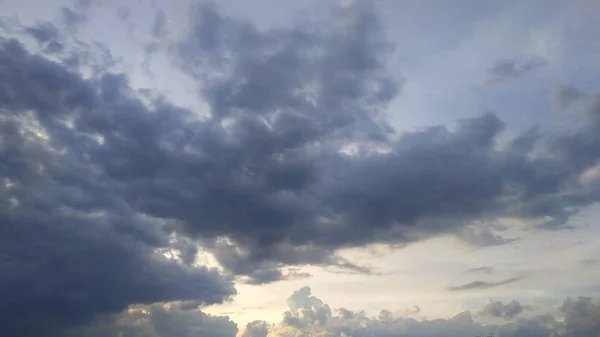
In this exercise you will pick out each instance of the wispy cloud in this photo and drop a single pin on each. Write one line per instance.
(485, 270)
(475, 285)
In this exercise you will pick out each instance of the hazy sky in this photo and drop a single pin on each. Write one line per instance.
(299, 168)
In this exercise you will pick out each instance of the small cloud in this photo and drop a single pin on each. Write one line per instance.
(483, 237)
(589, 262)
(43, 33)
(510, 69)
(565, 96)
(475, 285)
(484, 270)
(497, 309)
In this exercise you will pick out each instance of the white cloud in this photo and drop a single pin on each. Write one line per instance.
(581, 319)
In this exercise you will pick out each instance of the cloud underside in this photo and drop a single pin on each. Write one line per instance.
(294, 162)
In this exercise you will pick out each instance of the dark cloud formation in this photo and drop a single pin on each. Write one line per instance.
(500, 310)
(70, 246)
(293, 162)
(581, 319)
(510, 69)
(476, 285)
(157, 320)
(287, 101)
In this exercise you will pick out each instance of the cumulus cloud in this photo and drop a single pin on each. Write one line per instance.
(581, 319)
(306, 310)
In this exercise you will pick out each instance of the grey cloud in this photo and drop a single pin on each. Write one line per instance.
(479, 236)
(72, 18)
(124, 13)
(158, 32)
(485, 270)
(476, 285)
(71, 247)
(590, 262)
(509, 69)
(582, 317)
(159, 27)
(43, 33)
(500, 310)
(564, 96)
(256, 329)
(158, 320)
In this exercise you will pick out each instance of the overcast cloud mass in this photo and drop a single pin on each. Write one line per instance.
(181, 159)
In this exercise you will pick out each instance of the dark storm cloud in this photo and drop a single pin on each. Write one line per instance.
(510, 69)
(95, 171)
(262, 183)
(500, 310)
(71, 247)
(477, 285)
(287, 114)
(157, 320)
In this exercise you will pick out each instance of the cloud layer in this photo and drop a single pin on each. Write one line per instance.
(578, 318)
(293, 161)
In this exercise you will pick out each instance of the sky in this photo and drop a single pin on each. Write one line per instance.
(279, 168)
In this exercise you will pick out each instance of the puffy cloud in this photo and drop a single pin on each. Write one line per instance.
(306, 310)
(581, 319)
